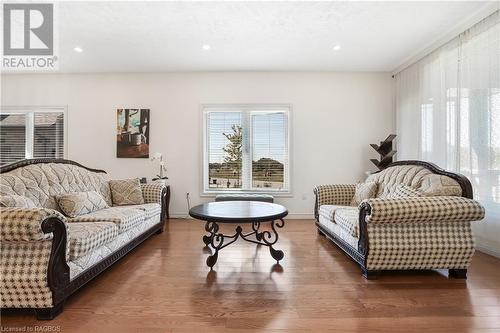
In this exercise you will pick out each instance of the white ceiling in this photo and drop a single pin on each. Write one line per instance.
(168, 36)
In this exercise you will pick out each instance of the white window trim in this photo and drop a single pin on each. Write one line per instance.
(29, 111)
(204, 108)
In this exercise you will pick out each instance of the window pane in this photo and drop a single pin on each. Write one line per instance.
(12, 138)
(269, 150)
(48, 135)
(224, 131)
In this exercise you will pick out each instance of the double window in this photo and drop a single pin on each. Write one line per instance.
(31, 133)
(246, 148)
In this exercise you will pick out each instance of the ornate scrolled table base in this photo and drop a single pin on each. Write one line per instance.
(240, 212)
(218, 241)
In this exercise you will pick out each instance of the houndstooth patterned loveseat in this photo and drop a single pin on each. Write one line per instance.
(420, 218)
(46, 256)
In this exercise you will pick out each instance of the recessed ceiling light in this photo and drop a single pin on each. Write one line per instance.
(206, 47)
(78, 49)
(337, 47)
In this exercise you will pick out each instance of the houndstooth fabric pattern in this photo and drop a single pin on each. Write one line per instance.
(420, 245)
(42, 182)
(14, 200)
(152, 192)
(85, 237)
(150, 209)
(348, 219)
(80, 203)
(23, 278)
(364, 191)
(424, 209)
(124, 218)
(24, 224)
(328, 211)
(337, 230)
(81, 264)
(126, 192)
(340, 195)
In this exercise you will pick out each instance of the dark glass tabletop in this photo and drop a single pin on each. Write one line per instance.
(238, 211)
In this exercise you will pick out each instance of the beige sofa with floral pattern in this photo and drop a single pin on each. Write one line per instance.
(46, 256)
(419, 217)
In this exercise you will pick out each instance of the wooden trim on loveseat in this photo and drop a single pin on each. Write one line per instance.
(360, 255)
(29, 161)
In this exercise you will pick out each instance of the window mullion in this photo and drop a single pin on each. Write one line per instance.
(247, 149)
(30, 130)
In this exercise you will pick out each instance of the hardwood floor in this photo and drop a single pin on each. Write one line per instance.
(165, 286)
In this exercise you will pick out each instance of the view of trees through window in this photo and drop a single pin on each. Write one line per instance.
(228, 172)
(247, 150)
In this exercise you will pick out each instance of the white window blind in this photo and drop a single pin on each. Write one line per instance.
(246, 149)
(225, 149)
(48, 135)
(269, 150)
(12, 138)
(31, 133)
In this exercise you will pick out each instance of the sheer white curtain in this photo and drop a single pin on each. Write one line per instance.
(448, 112)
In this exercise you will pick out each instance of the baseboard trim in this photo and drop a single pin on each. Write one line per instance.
(294, 216)
(488, 250)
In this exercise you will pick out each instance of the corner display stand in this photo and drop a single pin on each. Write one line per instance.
(386, 152)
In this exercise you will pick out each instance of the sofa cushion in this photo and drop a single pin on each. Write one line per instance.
(348, 219)
(124, 218)
(14, 200)
(126, 192)
(364, 191)
(403, 191)
(328, 211)
(85, 237)
(80, 203)
(150, 209)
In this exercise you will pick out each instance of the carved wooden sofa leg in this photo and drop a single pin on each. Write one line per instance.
(370, 274)
(49, 313)
(457, 273)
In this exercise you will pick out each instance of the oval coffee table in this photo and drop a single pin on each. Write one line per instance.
(240, 212)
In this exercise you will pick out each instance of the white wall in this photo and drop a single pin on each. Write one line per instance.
(335, 116)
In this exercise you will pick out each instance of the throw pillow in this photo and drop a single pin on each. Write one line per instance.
(403, 191)
(126, 192)
(14, 200)
(437, 185)
(364, 191)
(80, 203)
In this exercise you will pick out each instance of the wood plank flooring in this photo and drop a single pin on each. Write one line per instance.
(165, 286)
